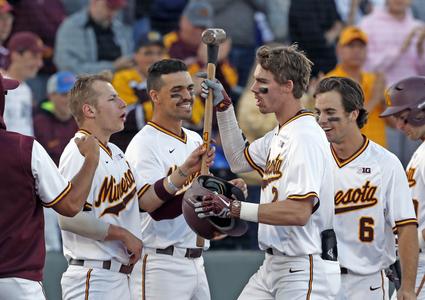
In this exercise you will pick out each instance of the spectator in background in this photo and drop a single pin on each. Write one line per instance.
(186, 43)
(6, 20)
(394, 49)
(351, 52)
(127, 82)
(165, 14)
(26, 59)
(352, 11)
(42, 18)
(54, 125)
(315, 25)
(418, 8)
(236, 17)
(130, 85)
(93, 40)
(277, 13)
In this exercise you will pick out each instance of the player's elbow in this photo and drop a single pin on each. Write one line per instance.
(301, 218)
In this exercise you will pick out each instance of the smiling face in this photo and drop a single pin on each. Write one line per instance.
(332, 117)
(174, 99)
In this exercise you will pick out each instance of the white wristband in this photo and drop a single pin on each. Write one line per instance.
(249, 212)
(171, 185)
(421, 239)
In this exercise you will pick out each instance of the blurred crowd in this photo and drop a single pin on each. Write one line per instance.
(46, 44)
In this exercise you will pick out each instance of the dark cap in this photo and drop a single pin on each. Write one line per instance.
(5, 7)
(149, 39)
(199, 13)
(24, 41)
(116, 4)
(408, 93)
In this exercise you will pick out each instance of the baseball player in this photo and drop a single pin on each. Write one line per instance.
(100, 257)
(294, 160)
(172, 266)
(29, 181)
(405, 101)
(372, 198)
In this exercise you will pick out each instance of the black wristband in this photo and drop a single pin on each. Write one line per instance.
(161, 192)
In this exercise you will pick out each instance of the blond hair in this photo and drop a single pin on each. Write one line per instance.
(83, 93)
(286, 63)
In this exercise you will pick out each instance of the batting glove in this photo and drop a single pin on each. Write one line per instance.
(215, 205)
(221, 100)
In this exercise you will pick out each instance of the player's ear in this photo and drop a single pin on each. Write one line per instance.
(153, 94)
(88, 111)
(354, 114)
(287, 87)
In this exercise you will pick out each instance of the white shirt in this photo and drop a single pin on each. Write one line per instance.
(416, 179)
(154, 153)
(112, 198)
(50, 185)
(295, 163)
(18, 110)
(372, 198)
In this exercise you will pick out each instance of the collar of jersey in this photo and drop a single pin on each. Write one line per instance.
(182, 138)
(299, 114)
(342, 162)
(101, 145)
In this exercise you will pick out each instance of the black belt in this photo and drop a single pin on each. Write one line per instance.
(106, 264)
(272, 251)
(344, 270)
(190, 252)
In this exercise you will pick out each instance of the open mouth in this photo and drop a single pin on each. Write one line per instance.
(185, 105)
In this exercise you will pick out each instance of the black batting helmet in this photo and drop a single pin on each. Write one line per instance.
(407, 94)
(210, 227)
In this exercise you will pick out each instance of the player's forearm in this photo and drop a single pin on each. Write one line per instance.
(282, 213)
(233, 141)
(81, 184)
(287, 213)
(164, 190)
(408, 252)
(85, 224)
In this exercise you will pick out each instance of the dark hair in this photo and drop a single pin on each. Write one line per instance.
(351, 94)
(162, 67)
(287, 63)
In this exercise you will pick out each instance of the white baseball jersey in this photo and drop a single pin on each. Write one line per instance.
(416, 179)
(295, 162)
(112, 198)
(154, 153)
(372, 198)
(50, 185)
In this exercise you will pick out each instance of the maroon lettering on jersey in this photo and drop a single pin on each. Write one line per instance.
(22, 249)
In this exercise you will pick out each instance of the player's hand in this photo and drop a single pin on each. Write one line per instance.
(403, 294)
(240, 183)
(214, 205)
(134, 246)
(221, 100)
(88, 147)
(194, 161)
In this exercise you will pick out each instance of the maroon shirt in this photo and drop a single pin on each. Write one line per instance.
(22, 250)
(53, 134)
